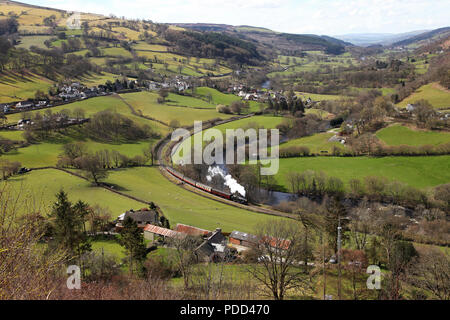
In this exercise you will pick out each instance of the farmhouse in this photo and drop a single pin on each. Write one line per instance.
(214, 248)
(142, 217)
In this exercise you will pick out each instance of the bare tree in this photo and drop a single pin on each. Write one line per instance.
(184, 255)
(280, 248)
(431, 272)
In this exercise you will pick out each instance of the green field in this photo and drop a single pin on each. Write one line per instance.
(29, 41)
(420, 172)
(316, 143)
(400, 135)
(146, 102)
(40, 187)
(227, 99)
(319, 97)
(94, 105)
(187, 101)
(266, 122)
(438, 97)
(15, 87)
(46, 153)
(182, 206)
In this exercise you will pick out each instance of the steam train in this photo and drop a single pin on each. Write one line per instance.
(226, 195)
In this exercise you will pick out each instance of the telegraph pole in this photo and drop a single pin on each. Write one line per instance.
(339, 240)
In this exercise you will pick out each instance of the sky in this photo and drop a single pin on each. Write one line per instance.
(324, 17)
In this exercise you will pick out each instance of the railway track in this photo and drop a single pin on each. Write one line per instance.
(163, 150)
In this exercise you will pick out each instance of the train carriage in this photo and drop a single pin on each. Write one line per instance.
(198, 185)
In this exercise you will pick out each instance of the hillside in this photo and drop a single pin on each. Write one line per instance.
(288, 44)
(368, 39)
(424, 38)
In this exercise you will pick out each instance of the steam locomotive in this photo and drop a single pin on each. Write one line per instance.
(226, 195)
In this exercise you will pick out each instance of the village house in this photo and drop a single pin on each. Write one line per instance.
(410, 107)
(24, 105)
(142, 217)
(5, 107)
(214, 248)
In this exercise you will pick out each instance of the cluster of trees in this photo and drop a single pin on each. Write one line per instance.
(237, 107)
(112, 126)
(317, 185)
(290, 103)
(42, 126)
(9, 168)
(7, 145)
(294, 152)
(51, 62)
(96, 164)
(214, 45)
(8, 26)
(301, 127)
(314, 185)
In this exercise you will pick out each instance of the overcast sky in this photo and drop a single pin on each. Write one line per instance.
(330, 17)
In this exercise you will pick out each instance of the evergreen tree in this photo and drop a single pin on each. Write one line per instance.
(68, 225)
(133, 242)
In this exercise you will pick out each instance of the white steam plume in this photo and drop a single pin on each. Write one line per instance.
(229, 181)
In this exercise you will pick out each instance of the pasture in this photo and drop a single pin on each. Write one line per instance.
(420, 172)
(94, 105)
(400, 135)
(433, 93)
(182, 206)
(316, 143)
(16, 87)
(146, 102)
(38, 190)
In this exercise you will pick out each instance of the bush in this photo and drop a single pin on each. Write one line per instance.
(223, 109)
(294, 151)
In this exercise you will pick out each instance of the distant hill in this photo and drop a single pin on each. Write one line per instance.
(370, 39)
(424, 38)
(290, 44)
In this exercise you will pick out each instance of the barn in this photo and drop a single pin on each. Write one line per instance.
(243, 239)
(152, 232)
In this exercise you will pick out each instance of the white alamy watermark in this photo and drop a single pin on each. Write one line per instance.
(74, 21)
(235, 146)
(74, 279)
(374, 280)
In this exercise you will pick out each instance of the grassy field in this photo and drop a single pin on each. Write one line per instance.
(420, 172)
(94, 80)
(147, 103)
(95, 105)
(319, 97)
(15, 87)
(182, 206)
(46, 153)
(400, 135)
(438, 97)
(29, 41)
(40, 187)
(186, 101)
(218, 97)
(316, 143)
(266, 122)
